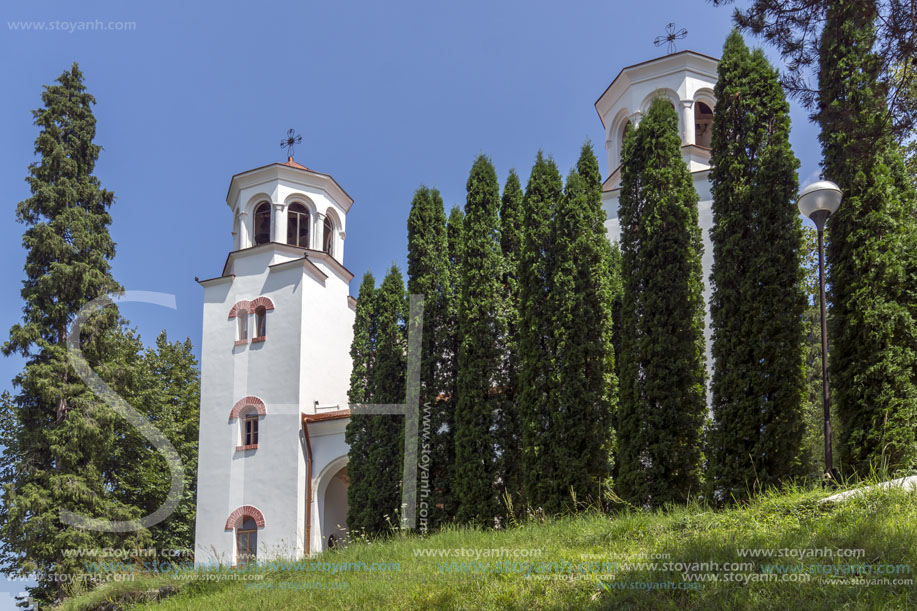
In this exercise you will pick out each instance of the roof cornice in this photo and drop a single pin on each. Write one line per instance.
(293, 173)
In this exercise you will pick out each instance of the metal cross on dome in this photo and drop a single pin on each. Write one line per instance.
(290, 141)
(671, 35)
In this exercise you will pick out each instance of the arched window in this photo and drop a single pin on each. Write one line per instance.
(263, 223)
(260, 323)
(703, 124)
(246, 541)
(328, 236)
(298, 225)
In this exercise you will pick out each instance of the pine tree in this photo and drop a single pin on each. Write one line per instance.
(429, 274)
(662, 400)
(536, 360)
(481, 331)
(583, 393)
(509, 469)
(871, 250)
(358, 434)
(60, 434)
(758, 302)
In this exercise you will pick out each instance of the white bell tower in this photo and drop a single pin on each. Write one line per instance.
(687, 80)
(275, 357)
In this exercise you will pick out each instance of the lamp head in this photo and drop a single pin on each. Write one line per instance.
(822, 197)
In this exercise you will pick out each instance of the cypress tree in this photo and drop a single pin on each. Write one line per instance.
(583, 391)
(60, 435)
(536, 360)
(509, 468)
(429, 274)
(377, 441)
(388, 378)
(481, 331)
(871, 250)
(662, 399)
(358, 434)
(444, 449)
(758, 303)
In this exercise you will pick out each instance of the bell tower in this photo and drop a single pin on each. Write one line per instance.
(275, 352)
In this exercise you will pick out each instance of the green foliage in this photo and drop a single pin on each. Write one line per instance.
(377, 442)
(166, 389)
(482, 332)
(59, 436)
(430, 274)
(871, 250)
(509, 467)
(358, 433)
(758, 302)
(536, 362)
(582, 393)
(662, 400)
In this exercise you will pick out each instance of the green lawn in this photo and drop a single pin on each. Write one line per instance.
(557, 564)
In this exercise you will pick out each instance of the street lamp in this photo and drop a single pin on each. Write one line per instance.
(818, 201)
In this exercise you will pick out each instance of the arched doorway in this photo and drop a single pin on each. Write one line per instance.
(334, 524)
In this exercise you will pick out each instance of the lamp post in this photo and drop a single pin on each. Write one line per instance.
(818, 201)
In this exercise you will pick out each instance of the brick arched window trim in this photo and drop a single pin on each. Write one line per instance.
(251, 306)
(245, 511)
(246, 402)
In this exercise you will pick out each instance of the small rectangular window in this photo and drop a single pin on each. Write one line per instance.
(260, 322)
(251, 432)
(243, 325)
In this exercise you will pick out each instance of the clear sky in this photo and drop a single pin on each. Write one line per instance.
(387, 96)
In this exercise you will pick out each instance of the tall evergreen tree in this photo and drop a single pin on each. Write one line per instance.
(358, 434)
(758, 301)
(662, 397)
(388, 386)
(509, 468)
(871, 249)
(583, 392)
(378, 376)
(481, 332)
(444, 450)
(429, 274)
(61, 435)
(536, 360)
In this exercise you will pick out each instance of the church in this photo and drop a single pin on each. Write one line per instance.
(278, 324)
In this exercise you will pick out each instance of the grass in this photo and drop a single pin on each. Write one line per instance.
(882, 523)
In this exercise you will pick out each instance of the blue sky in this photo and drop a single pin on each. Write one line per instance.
(387, 96)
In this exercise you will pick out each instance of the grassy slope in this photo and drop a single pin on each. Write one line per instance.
(883, 523)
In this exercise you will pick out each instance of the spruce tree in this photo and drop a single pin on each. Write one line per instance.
(509, 469)
(758, 302)
(871, 250)
(481, 332)
(429, 274)
(358, 434)
(583, 391)
(60, 434)
(536, 360)
(662, 397)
